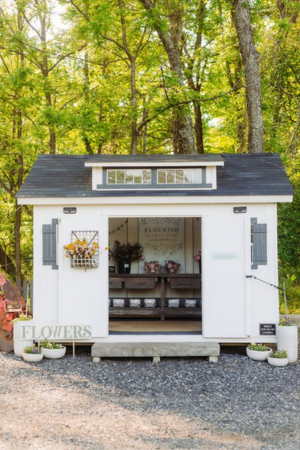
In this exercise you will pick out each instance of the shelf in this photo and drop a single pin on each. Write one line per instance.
(149, 281)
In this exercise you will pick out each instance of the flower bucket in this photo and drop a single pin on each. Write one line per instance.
(124, 267)
(19, 344)
(287, 339)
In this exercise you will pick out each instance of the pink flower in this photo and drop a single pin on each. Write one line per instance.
(197, 257)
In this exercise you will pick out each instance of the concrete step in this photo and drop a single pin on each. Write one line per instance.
(155, 350)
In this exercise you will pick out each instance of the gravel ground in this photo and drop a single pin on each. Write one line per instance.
(73, 404)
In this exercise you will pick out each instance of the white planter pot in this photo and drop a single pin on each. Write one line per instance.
(278, 362)
(31, 357)
(54, 353)
(258, 355)
(18, 344)
(287, 339)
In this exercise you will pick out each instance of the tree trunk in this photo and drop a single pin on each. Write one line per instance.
(134, 108)
(182, 126)
(252, 76)
(198, 128)
(17, 229)
(6, 263)
(45, 72)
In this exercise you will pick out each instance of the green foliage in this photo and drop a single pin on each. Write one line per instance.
(258, 347)
(75, 84)
(279, 354)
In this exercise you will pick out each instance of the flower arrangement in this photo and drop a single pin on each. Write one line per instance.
(152, 266)
(126, 252)
(32, 350)
(81, 249)
(51, 345)
(258, 347)
(172, 266)
(284, 322)
(197, 257)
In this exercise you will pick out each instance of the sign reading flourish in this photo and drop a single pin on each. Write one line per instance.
(55, 332)
(162, 239)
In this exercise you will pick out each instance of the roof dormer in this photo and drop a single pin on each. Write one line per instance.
(173, 172)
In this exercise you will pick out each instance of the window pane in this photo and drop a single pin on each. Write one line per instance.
(188, 176)
(197, 176)
(161, 176)
(192, 176)
(120, 176)
(179, 176)
(146, 176)
(138, 179)
(111, 177)
(129, 177)
(170, 176)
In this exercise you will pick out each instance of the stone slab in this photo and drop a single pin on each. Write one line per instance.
(153, 349)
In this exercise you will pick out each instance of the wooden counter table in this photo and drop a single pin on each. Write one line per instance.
(149, 281)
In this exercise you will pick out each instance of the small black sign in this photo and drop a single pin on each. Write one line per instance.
(70, 210)
(112, 269)
(267, 329)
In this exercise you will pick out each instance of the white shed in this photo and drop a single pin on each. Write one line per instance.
(175, 206)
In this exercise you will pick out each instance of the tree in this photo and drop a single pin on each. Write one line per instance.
(169, 32)
(252, 76)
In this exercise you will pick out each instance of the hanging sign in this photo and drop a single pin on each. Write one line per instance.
(162, 239)
(267, 329)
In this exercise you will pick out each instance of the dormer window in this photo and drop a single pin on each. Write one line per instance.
(128, 176)
(160, 173)
(179, 176)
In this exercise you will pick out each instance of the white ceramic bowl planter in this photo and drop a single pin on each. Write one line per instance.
(32, 357)
(54, 353)
(258, 355)
(279, 362)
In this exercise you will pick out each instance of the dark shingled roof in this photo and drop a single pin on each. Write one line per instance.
(155, 158)
(243, 174)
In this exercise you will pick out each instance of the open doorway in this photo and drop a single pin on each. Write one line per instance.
(162, 301)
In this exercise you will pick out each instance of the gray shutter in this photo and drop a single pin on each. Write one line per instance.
(49, 244)
(259, 243)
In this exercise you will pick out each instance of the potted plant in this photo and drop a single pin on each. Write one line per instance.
(152, 266)
(172, 266)
(287, 338)
(125, 254)
(32, 353)
(19, 344)
(52, 350)
(278, 358)
(258, 352)
(82, 253)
